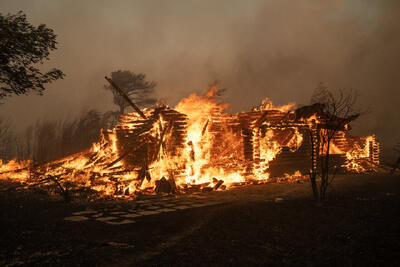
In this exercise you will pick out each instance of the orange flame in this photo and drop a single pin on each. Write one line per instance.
(212, 150)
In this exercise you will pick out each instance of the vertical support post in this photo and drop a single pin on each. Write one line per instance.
(248, 150)
(256, 148)
(314, 132)
(374, 151)
(315, 146)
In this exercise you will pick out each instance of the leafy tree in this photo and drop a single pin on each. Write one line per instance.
(135, 87)
(22, 48)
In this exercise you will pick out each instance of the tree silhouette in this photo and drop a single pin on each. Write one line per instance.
(22, 48)
(336, 112)
(135, 87)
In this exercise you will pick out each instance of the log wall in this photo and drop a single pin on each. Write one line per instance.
(235, 141)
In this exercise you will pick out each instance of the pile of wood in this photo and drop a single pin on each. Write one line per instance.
(235, 146)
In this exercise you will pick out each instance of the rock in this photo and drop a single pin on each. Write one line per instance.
(104, 219)
(84, 212)
(76, 218)
(163, 186)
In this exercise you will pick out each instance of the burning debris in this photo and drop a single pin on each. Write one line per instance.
(197, 146)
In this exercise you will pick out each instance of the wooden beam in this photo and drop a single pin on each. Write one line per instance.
(122, 93)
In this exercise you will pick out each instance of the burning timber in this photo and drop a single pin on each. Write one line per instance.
(197, 146)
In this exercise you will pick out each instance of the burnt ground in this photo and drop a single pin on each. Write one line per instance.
(269, 224)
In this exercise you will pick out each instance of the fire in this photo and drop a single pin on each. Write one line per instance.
(194, 145)
(199, 110)
(266, 104)
(357, 156)
(18, 170)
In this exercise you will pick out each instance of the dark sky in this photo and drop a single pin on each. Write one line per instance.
(280, 49)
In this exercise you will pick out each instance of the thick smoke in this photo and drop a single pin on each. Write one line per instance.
(290, 46)
(280, 49)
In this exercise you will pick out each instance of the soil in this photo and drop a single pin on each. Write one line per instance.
(274, 224)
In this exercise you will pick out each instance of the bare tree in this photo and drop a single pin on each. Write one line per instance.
(135, 86)
(337, 112)
(7, 140)
(396, 165)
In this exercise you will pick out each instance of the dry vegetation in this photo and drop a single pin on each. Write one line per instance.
(48, 140)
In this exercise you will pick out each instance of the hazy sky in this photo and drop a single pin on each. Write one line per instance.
(278, 48)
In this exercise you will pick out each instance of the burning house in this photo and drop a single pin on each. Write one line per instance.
(198, 145)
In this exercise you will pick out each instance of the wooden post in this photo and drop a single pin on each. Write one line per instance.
(125, 97)
(314, 137)
(374, 151)
(256, 148)
(248, 149)
(315, 146)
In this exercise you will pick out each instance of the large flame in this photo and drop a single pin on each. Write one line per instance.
(266, 104)
(213, 152)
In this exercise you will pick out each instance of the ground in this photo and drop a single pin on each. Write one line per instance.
(269, 224)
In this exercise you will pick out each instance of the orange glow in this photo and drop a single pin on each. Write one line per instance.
(266, 104)
(14, 170)
(360, 154)
(212, 148)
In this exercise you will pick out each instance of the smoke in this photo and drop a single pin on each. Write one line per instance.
(291, 46)
(278, 49)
